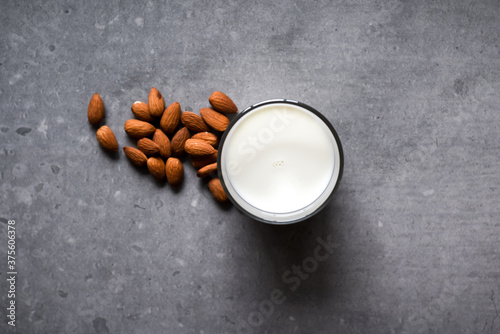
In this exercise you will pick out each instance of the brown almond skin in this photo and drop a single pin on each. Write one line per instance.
(174, 171)
(170, 118)
(136, 156)
(107, 139)
(222, 103)
(200, 162)
(214, 119)
(216, 189)
(198, 148)
(207, 170)
(163, 142)
(138, 129)
(148, 146)
(209, 137)
(194, 122)
(141, 111)
(156, 103)
(156, 167)
(95, 111)
(178, 141)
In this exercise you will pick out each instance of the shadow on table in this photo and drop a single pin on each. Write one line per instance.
(301, 258)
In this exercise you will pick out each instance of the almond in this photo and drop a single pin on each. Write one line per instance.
(178, 141)
(138, 129)
(198, 148)
(222, 103)
(207, 170)
(216, 189)
(107, 138)
(170, 118)
(96, 110)
(174, 171)
(199, 162)
(156, 167)
(214, 119)
(148, 146)
(209, 137)
(156, 103)
(141, 111)
(136, 156)
(193, 122)
(163, 142)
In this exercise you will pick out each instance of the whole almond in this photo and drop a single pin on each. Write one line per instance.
(174, 171)
(95, 111)
(138, 129)
(137, 157)
(141, 111)
(178, 141)
(198, 148)
(216, 189)
(107, 138)
(200, 162)
(148, 146)
(156, 167)
(163, 142)
(207, 170)
(193, 122)
(170, 118)
(214, 119)
(209, 137)
(221, 102)
(156, 103)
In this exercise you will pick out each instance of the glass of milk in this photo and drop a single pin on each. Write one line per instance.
(280, 161)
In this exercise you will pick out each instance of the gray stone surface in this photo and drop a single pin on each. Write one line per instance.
(413, 88)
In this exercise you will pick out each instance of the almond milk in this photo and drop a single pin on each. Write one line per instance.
(280, 162)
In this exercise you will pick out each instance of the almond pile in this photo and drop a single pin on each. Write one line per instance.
(165, 135)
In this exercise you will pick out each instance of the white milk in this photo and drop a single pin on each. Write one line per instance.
(279, 159)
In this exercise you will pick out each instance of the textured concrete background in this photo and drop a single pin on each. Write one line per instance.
(413, 88)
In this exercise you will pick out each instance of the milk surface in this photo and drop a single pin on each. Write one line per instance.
(279, 157)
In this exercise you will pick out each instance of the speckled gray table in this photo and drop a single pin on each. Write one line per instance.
(409, 244)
